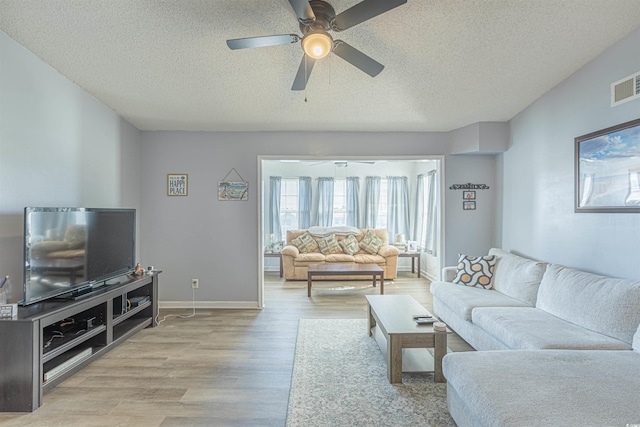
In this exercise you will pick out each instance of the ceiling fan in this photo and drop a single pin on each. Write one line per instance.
(317, 20)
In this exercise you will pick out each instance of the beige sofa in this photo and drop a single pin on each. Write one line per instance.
(295, 263)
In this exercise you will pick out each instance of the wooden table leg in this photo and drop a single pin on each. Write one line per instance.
(371, 321)
(281, 267)
(439, 350)
(374, 280)
(418, 265)
(394, 358)
(413, 265)
(381, 283)
(308, 285)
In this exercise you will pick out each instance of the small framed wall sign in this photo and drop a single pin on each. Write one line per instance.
(177, 184)
(469, 206)
(233, 190)
(469, 195)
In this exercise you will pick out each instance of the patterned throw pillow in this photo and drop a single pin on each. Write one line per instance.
(305, 243)
(475, 271)
(371, 243)
(329, 245)
(349, 245)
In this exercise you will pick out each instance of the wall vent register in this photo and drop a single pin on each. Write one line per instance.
(626, 89)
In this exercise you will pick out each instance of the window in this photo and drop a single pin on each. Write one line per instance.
(288, 206)
(339, 202)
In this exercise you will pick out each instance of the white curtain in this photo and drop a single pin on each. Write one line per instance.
(304, 202)
(324, 214)
(431, 232)
(371, 201)
(418, 217)
(353, 201)
(274, 208)
(397, 206)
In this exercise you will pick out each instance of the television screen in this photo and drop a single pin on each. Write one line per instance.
(71, 249)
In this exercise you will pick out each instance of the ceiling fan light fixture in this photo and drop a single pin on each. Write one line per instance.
(317, 45)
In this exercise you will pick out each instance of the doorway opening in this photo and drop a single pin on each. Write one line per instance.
(292, 177)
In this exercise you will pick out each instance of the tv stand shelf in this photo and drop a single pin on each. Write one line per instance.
(25, 360)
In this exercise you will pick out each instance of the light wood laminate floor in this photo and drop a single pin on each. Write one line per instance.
(218, 368)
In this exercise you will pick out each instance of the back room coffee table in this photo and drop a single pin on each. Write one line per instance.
(393, 314)
(345, 270)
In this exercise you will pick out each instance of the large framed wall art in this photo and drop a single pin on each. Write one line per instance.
(607, 169)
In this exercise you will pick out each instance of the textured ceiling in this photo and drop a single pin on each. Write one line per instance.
(448, 63)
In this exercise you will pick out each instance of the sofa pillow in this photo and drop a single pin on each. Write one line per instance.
(329, 245)
(599, 303)
(516, 276)
(305, 243)
(475, 271)
(349, 245)
(371, 243)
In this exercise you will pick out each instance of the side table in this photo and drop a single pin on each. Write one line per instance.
(413, 256)
(275, 255)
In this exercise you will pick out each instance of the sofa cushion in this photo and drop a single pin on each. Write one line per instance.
(305, 243)
(475, 271)
(546, 388)
(339, 258)
(371, 243)
(636, 340)
(369, 259)
(308, 258)
(602, 304)
(329, 245)
(349, 245)
(529, 328)
(463, 299)
(516, 276)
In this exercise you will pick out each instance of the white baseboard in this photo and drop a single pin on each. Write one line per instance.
(210, 304)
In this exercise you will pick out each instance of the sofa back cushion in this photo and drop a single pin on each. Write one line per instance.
(636, 340)
(516, 276)
(602, 304)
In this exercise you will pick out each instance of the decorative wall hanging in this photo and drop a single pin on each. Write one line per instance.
(607, 169)
(233, 190)
(468, 195)
(177, 184)
(468, 206)
(469, 186)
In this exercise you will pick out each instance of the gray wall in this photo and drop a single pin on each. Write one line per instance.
(59, 146)
(538, 202)
(200, 237)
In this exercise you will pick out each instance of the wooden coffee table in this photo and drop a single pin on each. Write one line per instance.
(393, 314)
(345, 270)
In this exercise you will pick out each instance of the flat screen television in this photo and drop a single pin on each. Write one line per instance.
(70, 251)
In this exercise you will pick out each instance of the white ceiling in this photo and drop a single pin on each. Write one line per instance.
(165, 64)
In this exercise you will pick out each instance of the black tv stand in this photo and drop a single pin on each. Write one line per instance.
(53, 339)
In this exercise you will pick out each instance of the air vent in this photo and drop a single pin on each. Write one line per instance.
(626, 89)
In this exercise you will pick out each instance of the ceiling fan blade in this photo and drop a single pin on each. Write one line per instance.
(357, 58)
(363, 11)
(304, 71)
(262, 41)
(302, 8)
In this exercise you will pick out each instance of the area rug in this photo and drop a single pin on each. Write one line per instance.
(340, 379)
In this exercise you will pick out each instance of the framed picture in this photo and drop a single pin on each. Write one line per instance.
(607, 169)
(469, 195)
(469, 206)
(177, 184)
(233, 190)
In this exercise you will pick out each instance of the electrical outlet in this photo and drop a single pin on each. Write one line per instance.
(195, 283)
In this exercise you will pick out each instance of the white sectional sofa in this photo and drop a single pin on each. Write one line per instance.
(558, 346)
